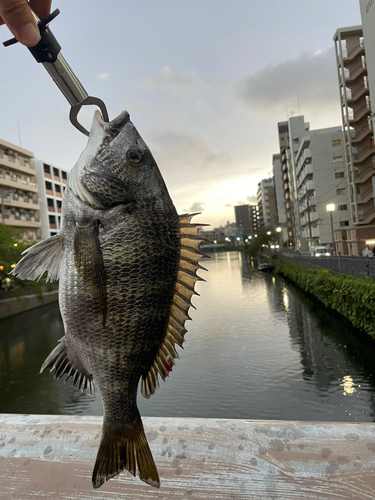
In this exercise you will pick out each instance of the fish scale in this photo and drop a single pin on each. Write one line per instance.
(127, 267)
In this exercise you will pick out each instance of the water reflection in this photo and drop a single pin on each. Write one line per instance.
(257, 349)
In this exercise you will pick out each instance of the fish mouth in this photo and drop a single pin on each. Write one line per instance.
(114, 127)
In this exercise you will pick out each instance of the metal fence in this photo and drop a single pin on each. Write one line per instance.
(360, 267)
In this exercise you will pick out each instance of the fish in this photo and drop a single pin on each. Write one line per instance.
(127, 267)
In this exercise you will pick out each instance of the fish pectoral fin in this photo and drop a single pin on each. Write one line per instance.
(59, 361)
(43, 256)
(88, 260)
(124, 448)
(184, 290)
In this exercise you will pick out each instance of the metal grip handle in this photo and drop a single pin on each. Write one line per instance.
(47, 52)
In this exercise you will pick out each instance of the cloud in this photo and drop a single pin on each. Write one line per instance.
(250, 200)
(197, 206)
(178, 151)
(168, 81)
(103, 76)
(310, 79)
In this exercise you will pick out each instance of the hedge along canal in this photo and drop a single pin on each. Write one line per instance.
(353, 298)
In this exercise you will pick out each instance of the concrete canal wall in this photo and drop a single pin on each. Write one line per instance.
(16, 305)
(53, 457)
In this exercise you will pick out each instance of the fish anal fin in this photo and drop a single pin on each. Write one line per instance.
(88, 260)
(184, 290)
(124, 447)
(60, 361)
(44, 256)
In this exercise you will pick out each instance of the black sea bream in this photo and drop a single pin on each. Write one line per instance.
(127, 266)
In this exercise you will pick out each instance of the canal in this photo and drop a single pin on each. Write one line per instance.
(257, 349)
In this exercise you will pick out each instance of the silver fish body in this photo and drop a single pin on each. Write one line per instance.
(127, 267)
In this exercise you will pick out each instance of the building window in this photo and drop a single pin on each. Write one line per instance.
(47, 168)
(341, 191)
(52, 219)
(49, 186)
(56, 172)
(343, 207)
(58, 203)
(339, 175)
(336, 142)
(57, 188)
(63, 175)
(344, 223)
(50, 202)
(337, 158)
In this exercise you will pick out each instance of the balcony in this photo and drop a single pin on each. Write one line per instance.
(365, 173)
(16, 164)
(21, 203)
(22, 222)
(306, 154)
(353, 97)
(360, 70)
(361, 134)
(305, 218)
(314, 232)
(359, 50)
(358, 115)
(17, 183)
(365, 196)
(364, 154)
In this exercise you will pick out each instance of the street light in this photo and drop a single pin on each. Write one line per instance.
(331, 208)
(268, 232)
(278, 229)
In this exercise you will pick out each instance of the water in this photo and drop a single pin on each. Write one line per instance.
(257, 348)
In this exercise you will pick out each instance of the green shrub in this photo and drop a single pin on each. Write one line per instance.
(353, 298)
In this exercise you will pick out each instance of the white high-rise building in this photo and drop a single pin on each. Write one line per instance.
(51, 186)
(321, 180)
(264, 199)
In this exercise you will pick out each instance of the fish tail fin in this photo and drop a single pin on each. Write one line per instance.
(124, 447)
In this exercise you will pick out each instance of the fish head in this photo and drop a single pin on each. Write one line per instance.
(116, 167)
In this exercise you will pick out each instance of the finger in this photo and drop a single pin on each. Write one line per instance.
(42, 8)
(17, 15)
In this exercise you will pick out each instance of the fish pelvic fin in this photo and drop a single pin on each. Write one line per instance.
(124, 447)
(184, 290)
(77, 375)
(44, 256)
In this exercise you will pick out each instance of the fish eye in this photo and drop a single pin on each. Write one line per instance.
(134, 155)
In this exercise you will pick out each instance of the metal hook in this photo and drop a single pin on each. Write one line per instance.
(74, 110)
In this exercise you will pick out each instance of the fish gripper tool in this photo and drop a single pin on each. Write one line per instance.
(47, 52)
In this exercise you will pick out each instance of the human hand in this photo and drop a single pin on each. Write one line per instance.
(16, 14)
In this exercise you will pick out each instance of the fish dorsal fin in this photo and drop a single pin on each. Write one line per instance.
(184, 290)
(43, 256)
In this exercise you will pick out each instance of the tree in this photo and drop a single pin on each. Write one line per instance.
(11, 248)
(264, 236)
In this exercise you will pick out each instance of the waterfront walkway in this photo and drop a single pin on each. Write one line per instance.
(53, 456)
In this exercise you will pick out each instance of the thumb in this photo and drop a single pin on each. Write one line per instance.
(16, 14)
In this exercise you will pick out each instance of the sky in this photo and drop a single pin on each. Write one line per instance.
(205, 83)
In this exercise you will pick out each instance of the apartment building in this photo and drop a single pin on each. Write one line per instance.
(321, 181)
(290, 135)
(18, 191)
(51, 185)
(266, 200)
(246, 216)
(356, 111)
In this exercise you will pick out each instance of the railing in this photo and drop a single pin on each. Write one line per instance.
(359, 267)
(52, 456)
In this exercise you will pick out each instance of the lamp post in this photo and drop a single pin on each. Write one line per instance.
(331, 208)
